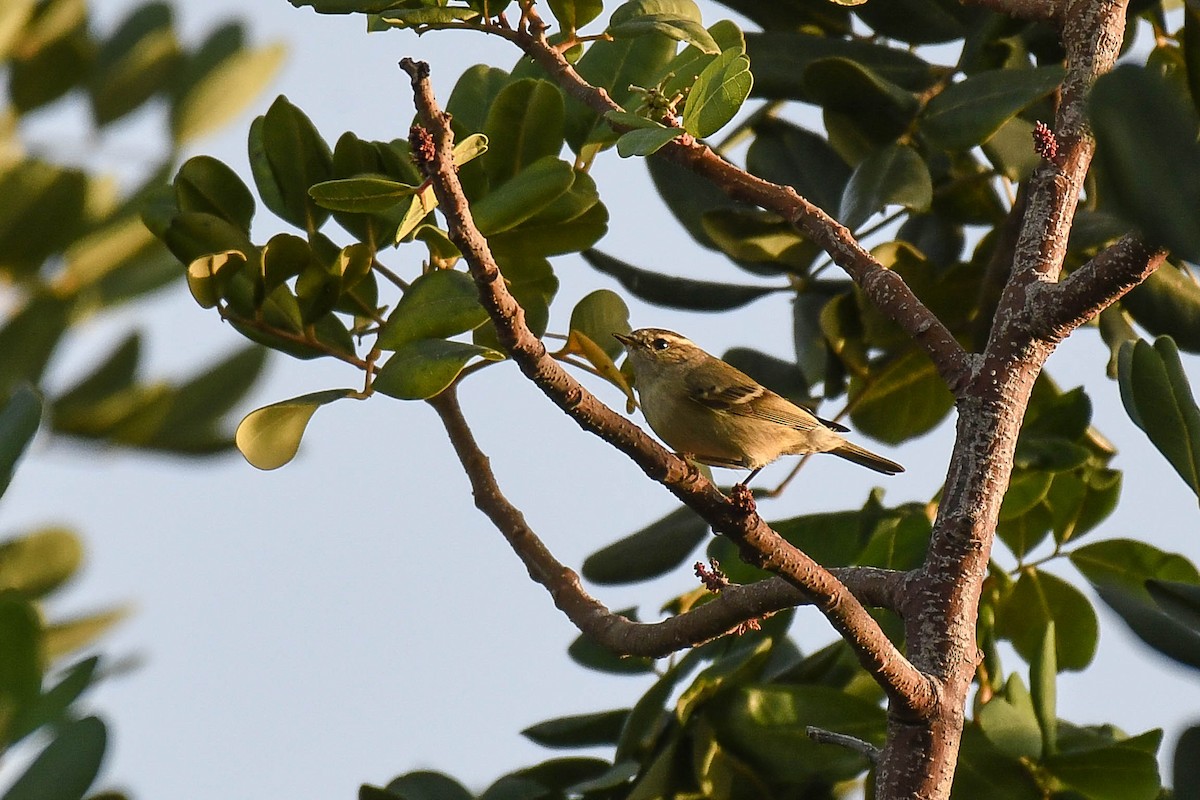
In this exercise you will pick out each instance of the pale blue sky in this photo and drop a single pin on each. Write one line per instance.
(352, 616)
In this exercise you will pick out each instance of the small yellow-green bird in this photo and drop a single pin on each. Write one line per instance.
(718, 415)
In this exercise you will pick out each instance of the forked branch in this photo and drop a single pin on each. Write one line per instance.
(909, 690)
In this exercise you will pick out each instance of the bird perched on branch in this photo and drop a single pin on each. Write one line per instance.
(718, 415)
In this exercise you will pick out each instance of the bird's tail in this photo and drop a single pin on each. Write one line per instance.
(865, 458)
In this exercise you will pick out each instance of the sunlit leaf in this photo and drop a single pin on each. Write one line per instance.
(422, 368)
(269, 437)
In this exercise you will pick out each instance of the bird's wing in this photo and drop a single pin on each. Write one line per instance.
(738, 398)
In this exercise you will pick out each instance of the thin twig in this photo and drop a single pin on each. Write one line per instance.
(822, 736)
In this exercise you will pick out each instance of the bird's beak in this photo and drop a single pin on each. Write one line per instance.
(624, 339)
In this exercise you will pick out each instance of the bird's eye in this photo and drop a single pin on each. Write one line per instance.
(660, 344)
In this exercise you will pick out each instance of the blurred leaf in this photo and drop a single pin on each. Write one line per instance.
(718, 93)
(677, 19)
(1127, 564)
(422, 368)
(673, 291)
(654, 550)
(20, 644)
(1129, 107)
(916, 21)
(67, 767)
(75, 633)
(877, 108)
(440, 303)
(1156, 394)
(788, 154)
(1039, 598)
(37, 563)
(753, 237)
(1186, 763)
(580, 730)
(1154, 626)
(1009, 149)
(1010, 722)
(19, 419)
(688, 196)
(1167, 304)
(586, 652)
(134, 63)
(51, 707)
(43, 212)
(269, 437)
(224, 91)
(894, 175)
(780, 59)
(898, 543)
(1117, 772)
(287, 156)
(524, 125)
(900, 400)
(969, 112)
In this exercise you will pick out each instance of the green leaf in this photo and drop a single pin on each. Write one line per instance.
(440, 303)
(900, 400)
(969, 112)
(677, 19)
(1167, 304)
(718, 93)
(1118, 772)
(39, 562)
(224, 91)
(287, 156)
(645, 141)
(425, 785)
(540, 237)
(574, 14)
(598, 316)
(137, 61)
(472, 97)
(52, 706)
(985, 772)
(689, 197)
(363, 194)
(1129, 107)
(205, 184)
(1043, 680)
(19, 419)
(524, 125)
(580, 730)
(1039, 598)
(588, 653)
(1026, 489)
(1180, 599)
(1127, 564)
(1186, 763)
(425, 367)
(269, 437)
(894, 175)
(673, 291)
(1154, 626)
(875, 107)
(67, 767)
(411, 17)
(20, 642)
(654, 550)
(759, 241)
(1010, 722)
(523, 196)
(1156, 394)
(785, 153)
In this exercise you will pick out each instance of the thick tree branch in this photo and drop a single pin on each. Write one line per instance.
(885, 288)
(909, 690)
(726, 612)
(1060, 308)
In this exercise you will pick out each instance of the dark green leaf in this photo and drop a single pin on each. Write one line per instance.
(52, 706)
(205, 184)
(678, 19)
(425, 785)
(523, 196)
(1127, 564)
(917, 21)
(524, 125)
(878, 109)
(1155, 187)
(673, 291)
(985, 772)
(574, 14)
(900, 400)
(472, 98)
(1168, 304)
(970, 112)
(42, 214)
(654, 550)
(424, 367)
(66, 769)
(1156, 394)
(688, 196)
(1039, 598)
(287, 156)
(440, 303)
(598, 316)
(20, 642)
(1180, 599)
(895, 175)
(1154, 626)
(788, 154)
(1186, 763)
(1118, 772)
(580, 730)
(269, 437)
(19, 419)
(759, 239)
(586, 652)
(542, 236)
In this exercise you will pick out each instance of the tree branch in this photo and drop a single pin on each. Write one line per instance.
(1038, 10)
(1060, 308)
(885, 288)
(724, 613)
(910, 691)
